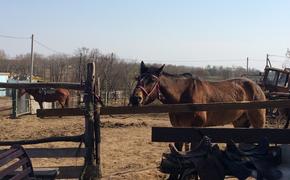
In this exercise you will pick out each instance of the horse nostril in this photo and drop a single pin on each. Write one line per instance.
(139, 98)
(135, 100)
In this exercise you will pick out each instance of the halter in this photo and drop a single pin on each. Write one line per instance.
(156, 86)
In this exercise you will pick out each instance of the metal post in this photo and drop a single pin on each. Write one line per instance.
(32, 58)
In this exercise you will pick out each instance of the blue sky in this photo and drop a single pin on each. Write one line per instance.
(184, 32)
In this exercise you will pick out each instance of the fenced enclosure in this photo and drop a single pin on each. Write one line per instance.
(161, 134)
(93, 113)
(88, 170)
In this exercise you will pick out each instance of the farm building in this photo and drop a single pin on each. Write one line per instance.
(3, 78)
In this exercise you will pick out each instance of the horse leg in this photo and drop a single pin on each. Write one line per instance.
(61, 103)
(199, 120)
(257, 117)
(175, 123)
(40, 104)
(242, 121)
(62, 106)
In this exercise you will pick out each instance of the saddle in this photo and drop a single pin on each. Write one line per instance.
(199, 161)
(208, 161)
(259, 161)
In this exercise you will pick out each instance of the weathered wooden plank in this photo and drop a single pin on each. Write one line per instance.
(65, 172)
(53, 153)
(194, 107)
(91, 170)
(220, 135)
(77, 138)
(60, 112)
(167, 108)
(76, 86)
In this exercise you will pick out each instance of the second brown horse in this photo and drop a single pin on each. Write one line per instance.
(153, 83)
(61, 95)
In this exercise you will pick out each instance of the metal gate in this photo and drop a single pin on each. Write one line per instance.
(20, 105)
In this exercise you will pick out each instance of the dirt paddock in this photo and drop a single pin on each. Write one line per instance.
(126, 148)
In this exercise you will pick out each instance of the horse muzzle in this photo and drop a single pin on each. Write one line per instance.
(136, 100)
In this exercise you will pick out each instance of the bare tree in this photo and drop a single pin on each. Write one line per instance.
(3, 55)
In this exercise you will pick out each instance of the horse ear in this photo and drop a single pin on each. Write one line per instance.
(160, 69)
(143, 68)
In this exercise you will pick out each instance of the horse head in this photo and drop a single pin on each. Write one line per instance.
(147, 88)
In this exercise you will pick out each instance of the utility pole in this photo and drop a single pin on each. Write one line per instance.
(32, 58)
(80, 64)
(268, 61)
(247, 66)
(288, 53)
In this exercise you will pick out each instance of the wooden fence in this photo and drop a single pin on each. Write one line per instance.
(167, 134)
(92, 112)
(91, 168)
(168, 108)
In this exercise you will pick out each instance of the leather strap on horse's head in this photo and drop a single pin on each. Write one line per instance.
(156, 87)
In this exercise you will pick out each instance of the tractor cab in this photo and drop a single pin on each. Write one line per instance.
(276, 80)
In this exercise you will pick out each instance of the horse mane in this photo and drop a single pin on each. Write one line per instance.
(183, 75)
(187, 75)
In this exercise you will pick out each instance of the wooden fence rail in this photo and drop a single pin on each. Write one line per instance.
(78, 138)
(168, 108)
(220, 135)
(76, 86)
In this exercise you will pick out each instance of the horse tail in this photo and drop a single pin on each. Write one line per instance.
(254, 90)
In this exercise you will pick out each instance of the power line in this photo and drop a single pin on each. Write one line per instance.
(278, 56)
(46, 47)
(203, 60)
(13, 37)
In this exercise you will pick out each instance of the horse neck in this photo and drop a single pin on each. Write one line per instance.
(172, 88)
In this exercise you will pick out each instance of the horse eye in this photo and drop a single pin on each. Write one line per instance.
(151, 79)
(148, 80)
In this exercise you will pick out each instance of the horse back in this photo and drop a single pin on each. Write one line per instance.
(238, 89)
(62, 91)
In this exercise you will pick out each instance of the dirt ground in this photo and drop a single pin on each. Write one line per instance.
(126, 148)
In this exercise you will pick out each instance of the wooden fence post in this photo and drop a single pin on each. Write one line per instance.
(97, 127)
(14, 103)
(90, 170)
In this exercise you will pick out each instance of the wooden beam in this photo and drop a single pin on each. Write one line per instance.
(77, 138)
(60, 112)
(220, 135)
(54, 153)
(91, 170)
(165, 108)
(65, 172)
(76, 86)
(194, 107)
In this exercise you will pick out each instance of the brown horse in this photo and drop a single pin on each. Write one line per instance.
(61, 95)
(153, 83)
